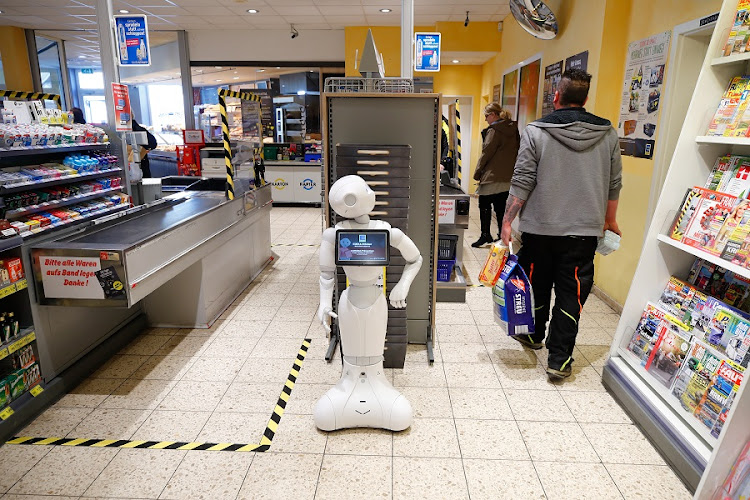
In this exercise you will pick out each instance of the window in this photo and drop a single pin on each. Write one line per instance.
(50, 69)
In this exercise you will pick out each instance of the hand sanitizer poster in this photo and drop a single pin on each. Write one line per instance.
(131, 40)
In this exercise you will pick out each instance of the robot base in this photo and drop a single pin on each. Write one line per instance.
(363, 397)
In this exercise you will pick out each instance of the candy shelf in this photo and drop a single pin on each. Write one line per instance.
(69, 222)
(54, 150)
(25, 186)
(19, 212)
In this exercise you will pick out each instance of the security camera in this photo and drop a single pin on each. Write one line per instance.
(294, 33)
(466, 22)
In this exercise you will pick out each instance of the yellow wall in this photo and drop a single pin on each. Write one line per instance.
(15, 59)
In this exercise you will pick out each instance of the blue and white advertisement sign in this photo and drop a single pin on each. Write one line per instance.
(131, 37)
(427, 56)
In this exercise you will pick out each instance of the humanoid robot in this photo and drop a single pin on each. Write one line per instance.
(363, 397)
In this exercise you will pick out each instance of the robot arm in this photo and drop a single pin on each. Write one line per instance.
(327, 275)
(410, 252)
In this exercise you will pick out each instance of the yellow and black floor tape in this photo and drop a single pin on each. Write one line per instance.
(265, 440)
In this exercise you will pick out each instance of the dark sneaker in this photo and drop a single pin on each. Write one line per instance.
(483, 240)
(527, 341)
(559, 374)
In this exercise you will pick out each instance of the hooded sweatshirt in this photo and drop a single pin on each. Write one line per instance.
(568, 167)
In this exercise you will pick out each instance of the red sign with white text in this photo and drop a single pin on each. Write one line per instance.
(123, 115)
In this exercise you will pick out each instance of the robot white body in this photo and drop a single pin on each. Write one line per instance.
(363, 397)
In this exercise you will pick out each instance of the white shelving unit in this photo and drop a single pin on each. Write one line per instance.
(700, 459)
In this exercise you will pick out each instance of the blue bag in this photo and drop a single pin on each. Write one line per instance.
(514, 299)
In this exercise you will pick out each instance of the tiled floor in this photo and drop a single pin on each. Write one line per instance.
(488, 422)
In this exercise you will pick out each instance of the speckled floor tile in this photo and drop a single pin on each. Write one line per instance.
(579, 481)
(135, 394)
(478, 375)
(464, 317)
(523, 377)
(298, 434)
(461, 352)
(248, 313)
(428, 402)
(585, 379)
(510, 478)
(55, 422)
(595, 407)
(480, 404)
(120, 366)
(244, 329)
(491, 439)
(511, 354)
(595, 354)
(169, 425)
(458, 333)
(288, 329)
(15, 461)
(304, 396)
(621, 444)
(364, 477)
(560, 441)
(360, 442)
(194, 396)
(164, 368)
(277, 348)
(110, 423)
(538, 406)
(145, 345)
(267, 371)
(204, 475)
(245, 428)
(265, 300)
(90, 393)
(648, 482)
(65, 471)
(593, 335)
(210, 369)
(227, 347)
(252, 398)
(427, 437)
(285, 475)
(318, 371)
(185, 346)
(419, 375)
(417, 353)
(137, 473)
(428, 478)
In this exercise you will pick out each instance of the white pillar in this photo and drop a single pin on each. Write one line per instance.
(407, 37)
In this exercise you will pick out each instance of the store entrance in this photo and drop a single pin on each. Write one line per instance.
(688, 50)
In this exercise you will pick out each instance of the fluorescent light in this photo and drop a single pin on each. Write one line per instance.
(385, 11)
(455, 61)
(301, 92)
(252, 11)
(236, 77)
(123, 11)
(219, 67)
(217, 80)
(261, 70)
(81, 57)
(278, 67)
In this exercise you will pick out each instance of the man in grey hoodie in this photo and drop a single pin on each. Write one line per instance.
(566, 185)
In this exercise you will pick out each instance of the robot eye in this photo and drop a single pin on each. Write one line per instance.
(350, 200)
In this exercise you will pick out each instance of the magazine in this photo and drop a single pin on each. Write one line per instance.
(736, 179)
(647, 332)
(709, 216)
(731, 221)
(723, 121)
(727, 286)
(719, 396)
(689, 203)
(668, 354)
(684, 301)
(736, 38)
(717, 173)
(701, 362)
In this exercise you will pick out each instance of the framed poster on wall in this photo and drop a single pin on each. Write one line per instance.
(496, 91)
(509, 97)
(552, 75)
(528, 91)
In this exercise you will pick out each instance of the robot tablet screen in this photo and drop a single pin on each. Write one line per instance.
(363, 247)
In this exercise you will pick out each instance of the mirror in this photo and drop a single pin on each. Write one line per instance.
(535, 17)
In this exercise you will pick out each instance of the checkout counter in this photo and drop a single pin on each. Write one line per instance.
(453, 219)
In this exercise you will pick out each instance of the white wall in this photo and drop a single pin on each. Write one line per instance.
(265, 45)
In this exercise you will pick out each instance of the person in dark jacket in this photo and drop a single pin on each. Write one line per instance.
(145, 167)
(500, 142)
(77, 115)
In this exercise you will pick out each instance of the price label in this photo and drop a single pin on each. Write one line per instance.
(36, 390)
(6, 413)
(4, 353)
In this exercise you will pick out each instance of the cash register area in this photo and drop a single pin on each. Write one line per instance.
(488, 423)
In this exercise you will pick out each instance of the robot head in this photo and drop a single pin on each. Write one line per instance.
(351, 197)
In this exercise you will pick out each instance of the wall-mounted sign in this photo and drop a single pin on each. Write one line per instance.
(552, 76)
(123, 116)
(71, 277)
(427, 52)
(131, 40)
(578, 61)
(447, 212)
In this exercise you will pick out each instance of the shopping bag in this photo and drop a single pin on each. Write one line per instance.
(513, 299)
(494, 264)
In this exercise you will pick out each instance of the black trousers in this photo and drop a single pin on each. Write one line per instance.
(486, 202)
(567, 264)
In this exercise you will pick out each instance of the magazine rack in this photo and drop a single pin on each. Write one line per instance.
(700, 459)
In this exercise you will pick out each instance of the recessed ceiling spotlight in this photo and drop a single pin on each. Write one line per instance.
(199, 71)
(261, 70)
(385, 11)
(236, 77)
(236, 72)
(217, 80)
(123, 11)
(219, 67)
(1, 12)
(278, 67)
(252, 11)
(455, 61)
(81, 57)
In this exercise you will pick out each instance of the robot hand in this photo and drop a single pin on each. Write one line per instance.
(324, 312)
(398, 295)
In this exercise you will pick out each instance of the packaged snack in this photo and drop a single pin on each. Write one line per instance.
(15, 269)
(16, 383)
(494, 264)
(32, 375)
(25, 356)
(514, 299)
(4, 393)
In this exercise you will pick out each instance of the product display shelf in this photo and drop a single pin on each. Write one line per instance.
(48, 205)
(73, 148)
(74, 220)
(672, 431)
(25, 186)
(25, 337)
(714, 259)
(19, 285)
(729, 141)
(733, 59)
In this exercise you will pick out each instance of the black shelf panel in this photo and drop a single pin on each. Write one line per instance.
(10, 243)
(20, 212)
(11, 153)
(68, 179)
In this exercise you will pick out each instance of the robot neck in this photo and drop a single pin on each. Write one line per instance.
(363, 219)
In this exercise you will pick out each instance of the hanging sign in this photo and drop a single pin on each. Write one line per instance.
(578, 61)
(131, 40)
(427, 56)
(642, 91)
(123, 116)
